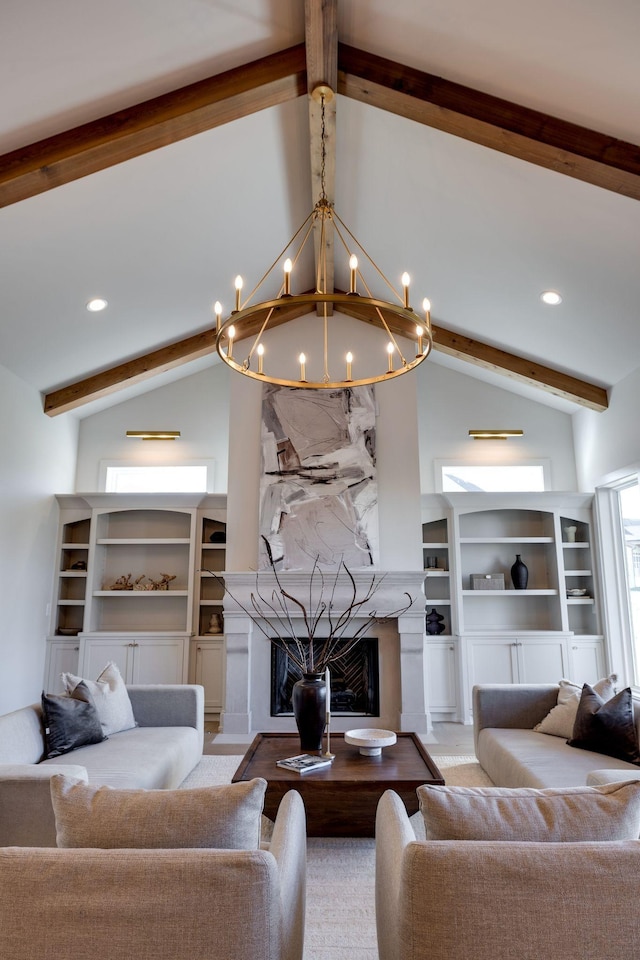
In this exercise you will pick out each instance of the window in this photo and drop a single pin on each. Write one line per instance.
(629, 500)
(490, 478)
(175, 478)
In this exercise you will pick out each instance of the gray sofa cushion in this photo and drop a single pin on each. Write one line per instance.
(148, 757)
(555, 814)
(227, 817)
(524, 758)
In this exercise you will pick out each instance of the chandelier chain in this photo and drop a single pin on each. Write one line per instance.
(323, 155)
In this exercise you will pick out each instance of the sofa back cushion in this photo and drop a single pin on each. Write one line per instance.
(560, 814)
(227, 817)
(22, 735)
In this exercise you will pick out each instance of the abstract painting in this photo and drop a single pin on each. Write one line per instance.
(318, 489)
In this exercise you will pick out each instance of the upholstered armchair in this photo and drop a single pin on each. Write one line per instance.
(501, 900)
(158, 904)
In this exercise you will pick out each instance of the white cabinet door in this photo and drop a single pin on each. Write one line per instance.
(95, 654)
(493, 660)
(62, 657)
(209, 670)
(159, 660)
(541, 660)
(441, 680)
(586, 660)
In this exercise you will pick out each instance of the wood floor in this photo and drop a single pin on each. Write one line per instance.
(449, 739)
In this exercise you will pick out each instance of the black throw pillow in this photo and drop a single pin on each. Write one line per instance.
(606, 726)
(69, 723)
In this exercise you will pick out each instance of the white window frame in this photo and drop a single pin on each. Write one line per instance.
(453, 462)
(104, 466)
(616, 614)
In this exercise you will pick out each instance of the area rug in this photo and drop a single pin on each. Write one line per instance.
(341, 919)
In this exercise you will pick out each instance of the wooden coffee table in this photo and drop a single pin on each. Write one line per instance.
(340, 800)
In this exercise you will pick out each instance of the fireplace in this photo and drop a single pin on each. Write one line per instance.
(355, 685)
(387, 687)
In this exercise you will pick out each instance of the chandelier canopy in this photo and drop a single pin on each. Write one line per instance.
(334, 351)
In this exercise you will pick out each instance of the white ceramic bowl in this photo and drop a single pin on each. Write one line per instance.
(370, 742)
(577, 592)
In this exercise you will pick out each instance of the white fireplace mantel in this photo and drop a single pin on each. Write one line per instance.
(401, 639)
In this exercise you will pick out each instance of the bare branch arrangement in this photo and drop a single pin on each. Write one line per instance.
(337, 631)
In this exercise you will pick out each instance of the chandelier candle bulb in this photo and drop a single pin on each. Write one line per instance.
(390, 353)
(288, 267)
(231, 332)
(238, 285)
(419, 332)
(406, 280)
(426, 306)
(349, 359)
(353, 267)
(260, 357)
(303, 372)
(217, 309)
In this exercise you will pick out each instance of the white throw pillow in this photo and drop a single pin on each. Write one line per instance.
(110, 696)
(561, 718)
(556, 814)
(227, 817)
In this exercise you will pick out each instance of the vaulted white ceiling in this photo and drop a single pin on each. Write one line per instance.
(162, 235)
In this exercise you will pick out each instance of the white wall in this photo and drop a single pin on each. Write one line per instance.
(197, 406)
(608, 443)
(38, 461)
(450, 404)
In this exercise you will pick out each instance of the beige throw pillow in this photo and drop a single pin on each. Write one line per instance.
(561, 718)
(110, 696)
(227, 817)
(556, 814)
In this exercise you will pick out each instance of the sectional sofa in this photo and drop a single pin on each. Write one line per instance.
(158, 753)
(513, 754)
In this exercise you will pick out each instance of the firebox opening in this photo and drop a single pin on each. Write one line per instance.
(355, 680)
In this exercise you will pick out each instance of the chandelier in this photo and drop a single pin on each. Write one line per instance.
(328, 350)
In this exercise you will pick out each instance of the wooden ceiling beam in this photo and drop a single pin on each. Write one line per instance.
(321, 43)
(446, 341)
(511, 365)
(138, 369)
(499, 124)
(155, 123)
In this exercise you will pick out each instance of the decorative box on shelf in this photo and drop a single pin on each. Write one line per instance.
(487, 581)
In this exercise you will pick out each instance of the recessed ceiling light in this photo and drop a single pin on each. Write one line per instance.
(552, 297)
(96, 304)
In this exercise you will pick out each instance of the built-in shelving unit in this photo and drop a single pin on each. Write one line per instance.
(129, 588)
(537, 634)
(208, 648)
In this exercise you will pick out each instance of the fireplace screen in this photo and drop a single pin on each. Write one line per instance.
(355, 688)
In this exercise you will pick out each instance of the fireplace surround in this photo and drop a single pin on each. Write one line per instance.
(400, 654)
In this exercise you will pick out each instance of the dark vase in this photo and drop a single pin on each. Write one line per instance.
(519, 574)
(435, 622)
(309, 700)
